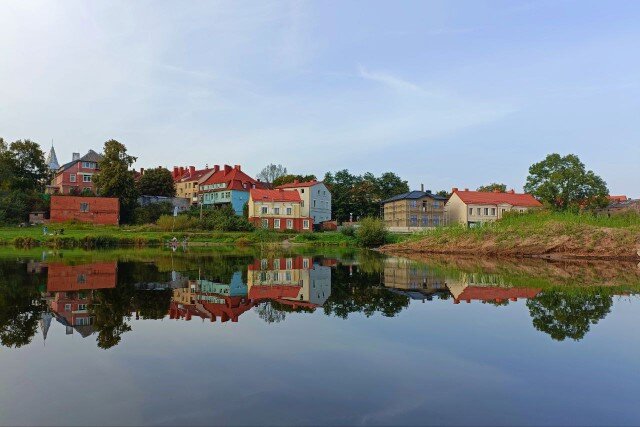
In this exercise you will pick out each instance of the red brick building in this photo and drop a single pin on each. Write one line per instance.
(94, 210)
(77, 175)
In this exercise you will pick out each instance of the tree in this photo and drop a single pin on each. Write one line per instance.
(270, 172)
(443, 193)
(563, 183)
(157, 182)
(565, 315)
(116, 180)
(388, 185)
(287, 179)
(30, 171)
(494, 186)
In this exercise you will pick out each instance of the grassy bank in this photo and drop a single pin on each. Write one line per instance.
(552, 234)
(93, 237)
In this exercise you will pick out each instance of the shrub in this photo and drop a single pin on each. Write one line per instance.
(151, 213)
(348, 230)
(178, 223)
(371, 233)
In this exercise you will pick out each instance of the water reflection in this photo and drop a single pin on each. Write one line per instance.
(102, 298)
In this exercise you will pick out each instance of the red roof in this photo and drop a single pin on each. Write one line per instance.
(234, 177)
(274, 196)
(617, 198)
(196, 176)
(296, 184)
(494, 198)
(494, 293)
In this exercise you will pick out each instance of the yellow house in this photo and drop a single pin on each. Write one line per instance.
(476, 207)
(187, 182)
(277, 210)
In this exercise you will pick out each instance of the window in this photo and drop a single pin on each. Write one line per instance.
(493, 211)
(289, 211)
(265, 223)
(263, 210)
(486, 211)
(305, 263)
(72, 177)
(290, 224)
(289, 263)
(302, 190)
(276, 211)
(470, 211)
(305, 224)
(276, 264)
(82, 278)
(82, 306)
(67, 307)
(314, 203)
(478, 211)
(414, 221)
(414, 204)
(276, 224)
(436, 221)
(302, 204)
(88, 165)
(84, 207)
(425, 221)
(264, 264)
(83, 321)
(86, 178)
(287, 276)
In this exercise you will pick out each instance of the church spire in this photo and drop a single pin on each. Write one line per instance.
(52, 159)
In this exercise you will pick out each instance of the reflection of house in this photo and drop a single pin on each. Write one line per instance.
(211, 300)
(486, 288)
(71, 292)
(415, 279)
(295, 281)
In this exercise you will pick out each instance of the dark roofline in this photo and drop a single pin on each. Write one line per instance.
(411, 195)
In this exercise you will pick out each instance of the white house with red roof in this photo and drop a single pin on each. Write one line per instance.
(476, 207)
(316, 199)
(278, 210)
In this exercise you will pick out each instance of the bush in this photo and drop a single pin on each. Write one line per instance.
(348, 230)
(371, 233)
(178, 223)
(151, 213)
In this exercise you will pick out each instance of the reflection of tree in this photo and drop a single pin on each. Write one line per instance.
(19, 312)
(152, 304)
(353, 291)
(270, 314)
(568, 314)
(111, 307)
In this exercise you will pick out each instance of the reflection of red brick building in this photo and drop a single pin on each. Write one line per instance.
(72, 288)
(94, 210)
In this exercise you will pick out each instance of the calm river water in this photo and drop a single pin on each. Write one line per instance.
(235, 336)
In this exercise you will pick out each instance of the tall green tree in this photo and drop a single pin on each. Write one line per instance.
(271, 172)
(116, 179)
(563, 183)
(287, 179)
(157, 182)
(494, 186)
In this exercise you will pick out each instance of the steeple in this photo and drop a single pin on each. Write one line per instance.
(52, 159)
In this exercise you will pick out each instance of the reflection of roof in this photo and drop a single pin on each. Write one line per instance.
(231, 309)
(495, 198)
(84, 330)
(65, 278)
(412, 195)
(274, 291)
(490, 293)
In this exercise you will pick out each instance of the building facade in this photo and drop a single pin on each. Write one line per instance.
(278, 210)
(94, 210)
(188, 180)
(415, 209)
(76, 176)
(477, 207)
(315, 197)
(228, 186)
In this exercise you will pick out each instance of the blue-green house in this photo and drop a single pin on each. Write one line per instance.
(228, 186)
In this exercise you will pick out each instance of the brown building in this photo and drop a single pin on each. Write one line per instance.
(415, 209)
(94, 210)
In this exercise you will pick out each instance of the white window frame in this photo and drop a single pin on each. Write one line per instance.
(265, 223)
(290, 224)
(289, 211)
(72, 177)
(276, 224)
(276, 211)
(86, 177)
(84, 207)
(305, 224)
(264, 210)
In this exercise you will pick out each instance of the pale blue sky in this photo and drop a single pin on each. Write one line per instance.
(444, 93)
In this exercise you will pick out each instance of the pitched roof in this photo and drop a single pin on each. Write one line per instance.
(617, 198)
(297, 184)
(259, 195)
(91, 156)
(234, 177)
(411, 195)
(52, 159)
(197, 175)
(494, 198)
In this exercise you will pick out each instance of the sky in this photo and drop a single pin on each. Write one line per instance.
(445, 94)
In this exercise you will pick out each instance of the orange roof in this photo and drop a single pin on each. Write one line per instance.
(495, 198)
(197, 175)
(274, 195)
(494, 293)
(296, 184)
(234, 177)
(617, 198)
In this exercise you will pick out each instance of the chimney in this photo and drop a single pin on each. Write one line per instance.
(422, 187)
(296, 181)
(227, 169)
(141, 171)
(237, 167)
(176, 171)
(466, 189)
(512, 191)
(181, 171)
(192, 170)
(75, 156)
(216, 168)
(454, 189)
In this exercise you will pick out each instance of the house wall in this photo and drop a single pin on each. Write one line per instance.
(401, 213)
(456, 210)
(460, 212)
(256, 216)
(63, 180)
(101, 210)
(318, 193)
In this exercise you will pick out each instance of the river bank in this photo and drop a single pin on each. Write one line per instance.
(534, 235)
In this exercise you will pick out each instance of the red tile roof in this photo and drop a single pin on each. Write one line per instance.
(258, 195)
(197, 175)
(617, 198)
(234, 177)
(296, 184)
(493, 198)
(494, 293)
